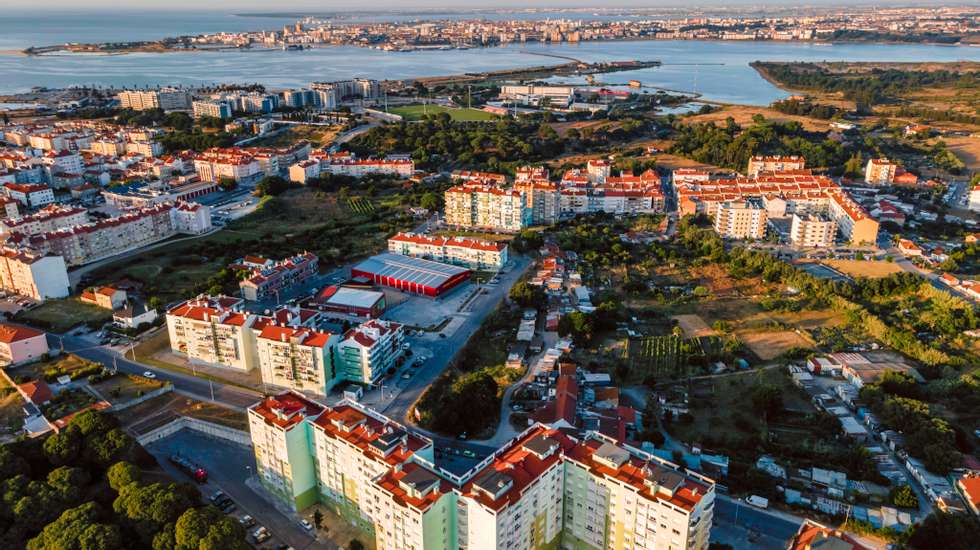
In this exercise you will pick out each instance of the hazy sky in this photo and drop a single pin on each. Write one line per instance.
(381, 5)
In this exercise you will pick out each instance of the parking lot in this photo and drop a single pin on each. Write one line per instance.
(228, 466)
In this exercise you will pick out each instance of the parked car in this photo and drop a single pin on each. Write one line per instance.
(305, 524)
(189, 468)
(246, 521)
(261, 535)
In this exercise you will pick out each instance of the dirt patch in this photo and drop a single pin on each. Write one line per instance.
(864, 268)
(694, 326)
(742, 114)
(769, 345)
(160, 410)
(966, 149)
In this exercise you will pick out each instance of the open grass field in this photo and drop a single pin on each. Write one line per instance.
(416, 112)
(769, 345)
(11, 409)
(300, 219)
(742, 114)
(317, 135)
(62, 315)
(864, 268)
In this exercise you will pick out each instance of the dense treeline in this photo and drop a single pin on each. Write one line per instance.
(806, 108)
(81, 489)
(731, 146)
(914, 111)
(844, 35)
(867, 88)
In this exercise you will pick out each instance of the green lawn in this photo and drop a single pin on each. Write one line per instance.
(62, 315)
(416, 112)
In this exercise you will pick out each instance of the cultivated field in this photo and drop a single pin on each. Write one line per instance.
(416, 112)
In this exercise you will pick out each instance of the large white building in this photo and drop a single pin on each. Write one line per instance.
(215, 331)
(233, 164)
(542, 489)
(476, 254)
(880, 172)
(34, 275)
(297, 357)
(597, 191)
(20, 344)
(812, 230)
(168, 99)
(488, 207)
(49, 218)
(759, 164)
(741, 220)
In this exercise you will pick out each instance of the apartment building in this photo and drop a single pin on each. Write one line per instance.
(362, 167)
(267, 280)
(216, 108)
(488, 207)
(543, 199)
(741, 220)
(557, 96)
(880, 172)
(296, 357)
(281, 439)
(49, 218)
(81, 244)
(216, 331)
(30, 195)
(812, 230)
(759, 164)
(367, 351)
(473, 176)
(8, 208)
(974, 200)
(305, 170)
(596, 191)
(235, 164)
(544, 488)
(476, 254)
(168, 99)
(598, 170)
(852, 219)
(37, 276)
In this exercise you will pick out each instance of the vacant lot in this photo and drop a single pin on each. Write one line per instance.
(771, 344)
(742, 114)
(864, 268)
(416, 112)
(11, 409)
(125, 387)
(63, 315)
(967, 149)
(300, 219)
(317, 135)
(64, 365)
(160, 410)
(694, 326)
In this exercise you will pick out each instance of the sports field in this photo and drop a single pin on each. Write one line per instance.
(416, 112)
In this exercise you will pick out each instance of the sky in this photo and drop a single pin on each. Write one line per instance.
(381, 5)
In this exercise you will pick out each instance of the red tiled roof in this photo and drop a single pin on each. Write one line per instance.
(286, 409)
(36, 391)
(16, 333)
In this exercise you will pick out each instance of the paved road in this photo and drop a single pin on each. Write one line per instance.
(198, 388)
(443, 350)
(745, 526)
(228, 466)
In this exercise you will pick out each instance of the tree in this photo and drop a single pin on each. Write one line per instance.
(148, 508)
(767, 400)
(578, 325)
(12, 464)
(430, 201)
(227, 184)
(271, 186)
(946, 531)
(121, 474)
(64, 446)
(206, 528)
(78, 529)
(527, 295)
(904, 497)
(68, 483)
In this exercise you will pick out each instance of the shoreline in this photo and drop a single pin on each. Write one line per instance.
(60, 50)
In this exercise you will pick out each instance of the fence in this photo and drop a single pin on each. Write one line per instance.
(202, 426)
(146, 397)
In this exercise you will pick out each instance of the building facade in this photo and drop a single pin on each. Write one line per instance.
(880, 172)
(812, 230)
(475, 254)
(488, 207)
(366, 352)
(741, 220)
(37, 276)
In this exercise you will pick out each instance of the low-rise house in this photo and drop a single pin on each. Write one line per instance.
(105, 297)
(20, 344)
(968, 486)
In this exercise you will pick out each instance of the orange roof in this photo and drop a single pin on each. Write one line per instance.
(286, 409)
(411, 474)
(376, 437)
(36, 391)
(812, 533)
(16, 333)
(970, 485)
(460, 242)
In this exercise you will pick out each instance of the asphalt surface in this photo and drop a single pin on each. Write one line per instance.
(228, 466)
(745, 526)
(197, 388)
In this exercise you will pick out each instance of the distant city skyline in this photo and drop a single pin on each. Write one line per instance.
(237, 6)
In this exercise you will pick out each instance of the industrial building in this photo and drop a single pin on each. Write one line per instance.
(409, 274)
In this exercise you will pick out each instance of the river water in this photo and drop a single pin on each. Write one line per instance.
(718, 70)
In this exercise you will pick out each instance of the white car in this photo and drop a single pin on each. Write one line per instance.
(305, 524)
(149, 375)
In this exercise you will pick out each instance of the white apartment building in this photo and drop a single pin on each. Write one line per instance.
(34, 275)
(741, 220)
(974, 203)
(297, 358)
(30, 195)
(852, 219)
(8, 208)
(598, 170)
(486, 207)
(305, 170)
(215, 164)
(543, 199)
(216, 108)
(362, 167)
(542, 489)
(475, 254)
(759, 164)
(812, 230)
(559, 96)
(168, 99)
(367, 351)
(49, 218)
(880, 172)
(214, 331)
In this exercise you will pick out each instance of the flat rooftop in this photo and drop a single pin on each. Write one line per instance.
(409, 269)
